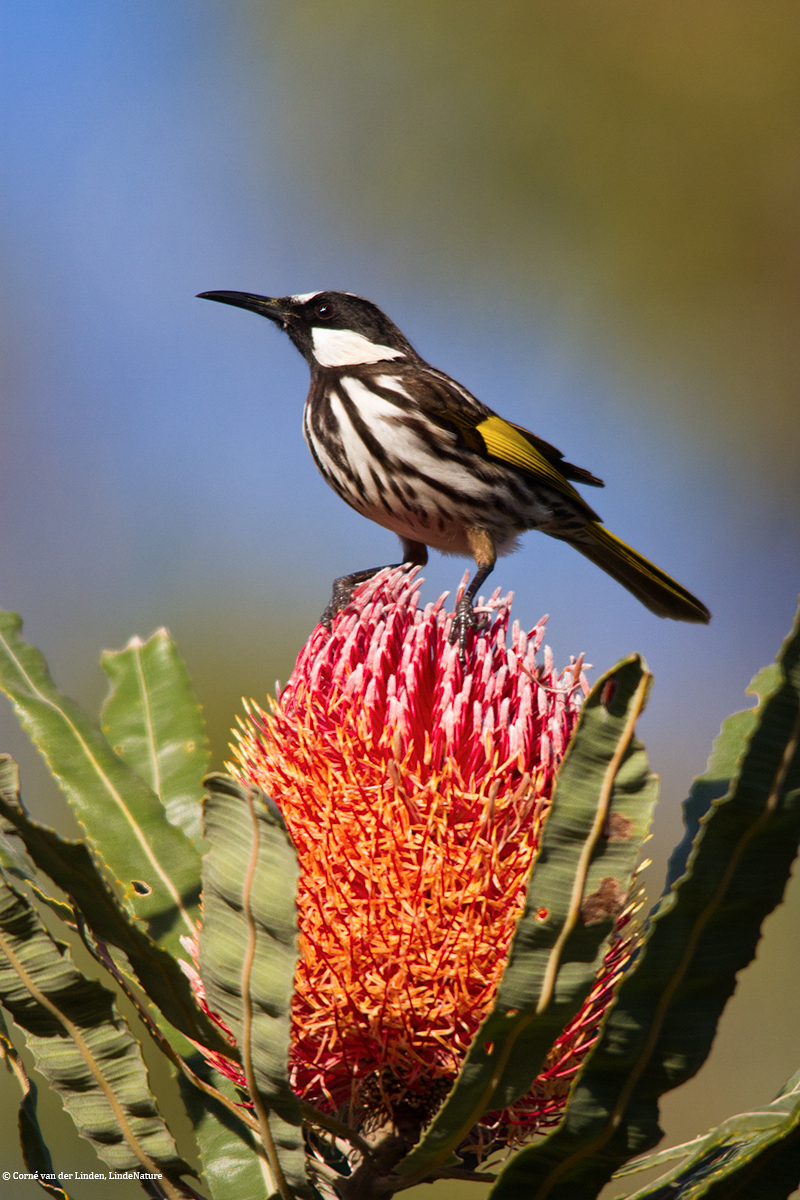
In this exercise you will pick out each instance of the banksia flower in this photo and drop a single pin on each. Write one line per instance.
(414, 791)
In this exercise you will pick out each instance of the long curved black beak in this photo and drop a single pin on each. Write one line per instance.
(265, 306)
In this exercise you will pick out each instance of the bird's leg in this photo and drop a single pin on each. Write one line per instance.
(415, 554)
(485, 555)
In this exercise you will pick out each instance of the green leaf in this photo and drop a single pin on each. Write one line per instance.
(752, 1156)
(234, 1168)
(80, 1044)
(35, 1153)
(723, 764)
(72, 868)
(15, 864)
(124, 820)
(602, 805)
(248, 954)
(155, 725)
(702, 933)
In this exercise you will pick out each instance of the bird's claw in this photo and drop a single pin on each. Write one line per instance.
(465, 618)
(341, 596)
(342, 592)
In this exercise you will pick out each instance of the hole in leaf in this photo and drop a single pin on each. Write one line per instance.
(489, 1047)
(608, 692)
(141, 888)
(542, 914)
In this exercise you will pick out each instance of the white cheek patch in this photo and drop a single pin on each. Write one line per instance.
(345, 348)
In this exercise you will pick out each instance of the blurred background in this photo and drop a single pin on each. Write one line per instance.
(588, 214)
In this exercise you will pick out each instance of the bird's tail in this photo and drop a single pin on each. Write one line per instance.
(648, 583)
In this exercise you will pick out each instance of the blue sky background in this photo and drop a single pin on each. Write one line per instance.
(152, 466)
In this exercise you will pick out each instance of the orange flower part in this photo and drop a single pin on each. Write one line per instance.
(414, 791)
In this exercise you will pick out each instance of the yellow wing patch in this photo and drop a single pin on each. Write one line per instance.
(505, 442)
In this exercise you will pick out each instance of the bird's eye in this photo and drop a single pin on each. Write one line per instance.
(325, 312)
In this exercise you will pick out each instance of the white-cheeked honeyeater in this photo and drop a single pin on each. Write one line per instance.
(413, 450)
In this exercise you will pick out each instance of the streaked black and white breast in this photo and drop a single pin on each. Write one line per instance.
(378, 447)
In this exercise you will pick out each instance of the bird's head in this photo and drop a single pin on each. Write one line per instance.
(330, 329)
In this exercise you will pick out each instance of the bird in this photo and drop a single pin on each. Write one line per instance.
(410, 448)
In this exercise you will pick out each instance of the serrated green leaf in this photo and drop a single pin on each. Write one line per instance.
(124, 820)
(14, 864)
(248, 952)
(752, 1156)
(80, 1044)
(154, 723)
(662, 1024)
(35, 1154)
(723, 763)
(601, 810)
(72, 868)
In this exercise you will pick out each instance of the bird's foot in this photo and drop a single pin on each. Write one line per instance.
(342, 593)
(465, 618)
(343, 589)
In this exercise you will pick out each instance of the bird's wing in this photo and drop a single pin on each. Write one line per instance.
(567, 469)
(511, 444)
(491, 436)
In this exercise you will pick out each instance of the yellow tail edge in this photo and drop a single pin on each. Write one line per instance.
(648, 583)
